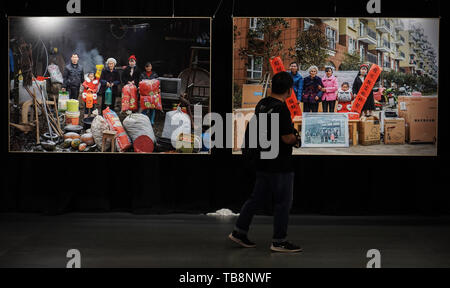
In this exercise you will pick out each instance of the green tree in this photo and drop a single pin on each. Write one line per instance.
(310, 48)
(351, 62)
(264, 40)
(237, 96)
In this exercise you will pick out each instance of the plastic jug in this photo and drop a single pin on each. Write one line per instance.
(108, 96)
(89, 100)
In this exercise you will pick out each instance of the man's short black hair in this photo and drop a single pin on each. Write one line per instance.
(293, 62)
(74, 53)
(281, 83)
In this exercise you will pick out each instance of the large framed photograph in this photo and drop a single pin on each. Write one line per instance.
(108, 84)
(325, 130)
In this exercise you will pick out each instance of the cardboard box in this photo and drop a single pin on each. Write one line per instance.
(394, 131)
(369, 131)
(251, 94)
(420, 114)
(240, 121)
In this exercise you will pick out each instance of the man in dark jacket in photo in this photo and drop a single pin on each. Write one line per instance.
(73, 77)
(274, 177)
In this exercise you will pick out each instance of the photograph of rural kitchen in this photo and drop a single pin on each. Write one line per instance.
(108, 84)
(381, 72)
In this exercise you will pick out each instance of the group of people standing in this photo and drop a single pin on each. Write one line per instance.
(313, 90)
(74, 78)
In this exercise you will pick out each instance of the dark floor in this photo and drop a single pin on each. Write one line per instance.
(126, 240)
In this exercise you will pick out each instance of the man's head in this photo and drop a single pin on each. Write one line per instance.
(294, 67)
(282, 84)
(75, 58)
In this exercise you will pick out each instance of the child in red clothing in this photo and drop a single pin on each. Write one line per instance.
(91, 85)
(345, 98)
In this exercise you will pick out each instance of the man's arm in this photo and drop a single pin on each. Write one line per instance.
(286, 128)
(289, 139)
(65, 77)
(82, 75)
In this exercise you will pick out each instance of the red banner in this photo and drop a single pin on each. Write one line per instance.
(366, 88)
(291, 101)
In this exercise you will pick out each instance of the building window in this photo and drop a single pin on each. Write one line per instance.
(387, 62)
(255, 67)
(352, 23)
(307, 23)
(351, 45)
(254, 25)
(379, 59)
(362, 29)
(331, 37)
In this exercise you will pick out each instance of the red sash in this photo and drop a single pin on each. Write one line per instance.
(366, 88)
(291, 101)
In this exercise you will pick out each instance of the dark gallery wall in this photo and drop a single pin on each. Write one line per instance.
(338, 185)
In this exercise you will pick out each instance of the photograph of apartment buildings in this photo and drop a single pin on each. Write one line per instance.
(395, 44)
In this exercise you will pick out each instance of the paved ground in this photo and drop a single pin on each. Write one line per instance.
(126, 240)
(372, 150)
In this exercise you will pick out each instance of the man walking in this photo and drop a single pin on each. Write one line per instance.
(273, 176)
(73, 77)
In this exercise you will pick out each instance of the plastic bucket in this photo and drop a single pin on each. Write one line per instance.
(73, 118)
(73, 105)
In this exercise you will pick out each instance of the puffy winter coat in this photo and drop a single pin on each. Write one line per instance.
(126, 75)
(91, 86)
(145, 77)
(331, 84)
(109, 76)
(73, 75)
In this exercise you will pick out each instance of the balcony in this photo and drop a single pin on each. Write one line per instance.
(412, 63)
(400, 40)
(399, 25)
(371, 58)
(384, 46)
(399, 56)
(384, 26)
(367, 36)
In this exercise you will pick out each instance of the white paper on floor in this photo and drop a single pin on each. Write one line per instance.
(223, 212)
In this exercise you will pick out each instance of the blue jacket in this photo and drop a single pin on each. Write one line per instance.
(298, 85)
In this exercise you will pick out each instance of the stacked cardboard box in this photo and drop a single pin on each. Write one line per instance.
(241, 117)
(420, 114)
(369, 131)
(251, 94)
(394, 131)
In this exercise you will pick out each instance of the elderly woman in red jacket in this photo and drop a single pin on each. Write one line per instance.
(329, 89)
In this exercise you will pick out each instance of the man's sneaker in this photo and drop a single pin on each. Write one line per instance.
(285, 247)
(241, 239)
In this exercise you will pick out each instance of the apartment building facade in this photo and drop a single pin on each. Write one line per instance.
(382, 41)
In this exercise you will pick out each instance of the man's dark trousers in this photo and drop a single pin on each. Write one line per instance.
(281, 186)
